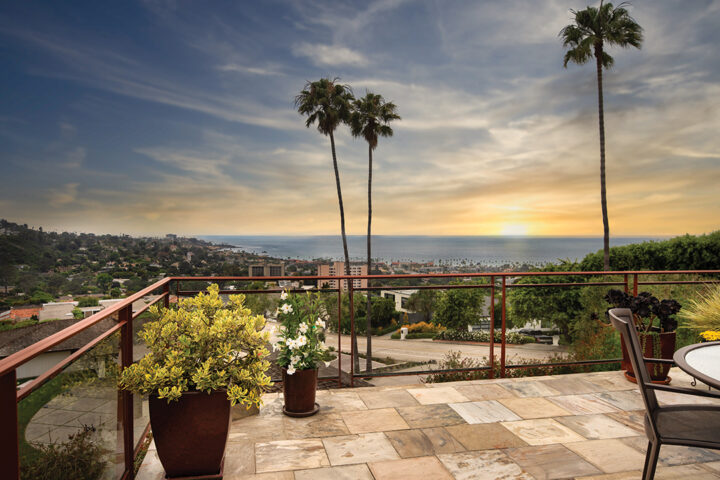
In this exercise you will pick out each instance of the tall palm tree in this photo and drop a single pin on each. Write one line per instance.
(370, 118)
(329, 103)
(593, 28)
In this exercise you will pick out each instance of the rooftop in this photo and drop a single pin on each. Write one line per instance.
(564, 426)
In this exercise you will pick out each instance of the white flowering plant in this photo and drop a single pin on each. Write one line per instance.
(302, 332)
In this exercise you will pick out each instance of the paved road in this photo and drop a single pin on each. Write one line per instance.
(426, 349)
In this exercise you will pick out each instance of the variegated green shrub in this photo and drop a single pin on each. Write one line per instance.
(203, 345)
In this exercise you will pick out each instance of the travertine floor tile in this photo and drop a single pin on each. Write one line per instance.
(345, 472)
(319, 425)
(597, 426)
(683, 472)
(289, 455)
(239, 459)
(442, 441)
(529, 388)
(476, 393)
(379, 420)
(542, 431)
(484, 412)
(571, 385)
(610, 456)
(388, 398)
(427, 396)
(262, 476)
(422, 468)
(633, 418)
(533, 407)
(483, 465)
(551, 462)
(485, 436)
(411, 443)
(363, 448)
(341, 402)
(624, 400)
(582, 404)
(258, 429)
(430, 416)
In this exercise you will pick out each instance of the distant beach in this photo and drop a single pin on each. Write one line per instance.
(484, 250)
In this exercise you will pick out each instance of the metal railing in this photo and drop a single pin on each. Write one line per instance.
(497, 283)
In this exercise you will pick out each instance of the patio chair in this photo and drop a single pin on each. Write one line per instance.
(688, 425)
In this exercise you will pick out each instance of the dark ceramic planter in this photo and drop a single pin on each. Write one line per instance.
(299, 392)
(190, 434)
(658, 372)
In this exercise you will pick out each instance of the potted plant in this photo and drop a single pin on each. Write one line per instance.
(204, 356)
(302, 347)
(656, 326)
(703, 316)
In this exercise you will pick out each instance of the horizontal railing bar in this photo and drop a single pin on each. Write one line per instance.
(569, 284)
(143, 309)
(568, 364)
(184, 293)
(447, 275)
(25, 355)
(678, 282)
(424, 287)
(55, 370)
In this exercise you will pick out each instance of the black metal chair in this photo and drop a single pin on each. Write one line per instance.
(688, 425)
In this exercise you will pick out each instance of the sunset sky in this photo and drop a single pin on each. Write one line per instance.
(177, 116)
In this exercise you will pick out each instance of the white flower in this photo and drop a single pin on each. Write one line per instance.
(327, 364)
(320, 323)
(303, 327)
(290, 370)
(301, 340)
(276, 347)
(286, 308)
(295, 359)
(283, 295)
(322, 345)
(281, 328)
(291, 344)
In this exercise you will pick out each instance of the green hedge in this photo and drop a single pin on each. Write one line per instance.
(512, 337)
(411, 336)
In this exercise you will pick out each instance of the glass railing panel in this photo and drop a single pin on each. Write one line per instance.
(71, 426)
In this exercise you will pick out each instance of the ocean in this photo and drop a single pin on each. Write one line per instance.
(483, 250)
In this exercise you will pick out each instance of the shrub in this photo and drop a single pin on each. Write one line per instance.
(424, 327)
(80, 458)
(88, 302)
(413, 336)
(484, 336)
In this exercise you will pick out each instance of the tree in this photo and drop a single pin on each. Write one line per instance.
(459, 307)
(329, 103)
(585, 38)
(369, 120)
(103, 281)
(423, 301)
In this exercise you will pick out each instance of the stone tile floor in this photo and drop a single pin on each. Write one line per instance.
(566, 426)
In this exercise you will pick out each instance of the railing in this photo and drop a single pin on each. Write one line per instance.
(128, 440)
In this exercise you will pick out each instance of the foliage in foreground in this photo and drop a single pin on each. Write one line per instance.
(203, 345)
(704, 313)
(80, 458)
(484, 336)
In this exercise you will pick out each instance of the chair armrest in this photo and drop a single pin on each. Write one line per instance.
(683, 390)
(669, 361)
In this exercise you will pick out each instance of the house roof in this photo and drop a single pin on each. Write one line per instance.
(12, 341)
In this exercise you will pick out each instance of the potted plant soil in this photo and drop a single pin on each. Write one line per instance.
(204, 356)
(302, 347)
(656, 326)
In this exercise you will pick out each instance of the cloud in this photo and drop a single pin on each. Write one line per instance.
(63, 196)
(329, 55)
(250, 70)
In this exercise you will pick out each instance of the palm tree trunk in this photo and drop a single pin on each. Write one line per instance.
(368, 306)
(344, 237)
(603, 192)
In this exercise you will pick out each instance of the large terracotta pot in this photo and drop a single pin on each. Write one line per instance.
(190, 434)
(658, 371)
(299, 392)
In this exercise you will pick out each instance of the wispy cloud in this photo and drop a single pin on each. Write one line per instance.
(329, 55)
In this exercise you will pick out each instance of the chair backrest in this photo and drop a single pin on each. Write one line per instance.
(622, 320)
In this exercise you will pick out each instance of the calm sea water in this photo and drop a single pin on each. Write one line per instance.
(485, 250)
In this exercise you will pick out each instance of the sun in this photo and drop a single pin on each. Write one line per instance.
(514, 229)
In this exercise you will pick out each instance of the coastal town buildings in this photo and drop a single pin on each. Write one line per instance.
(338, 268)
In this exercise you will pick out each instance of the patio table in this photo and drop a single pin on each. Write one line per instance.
(701, 361)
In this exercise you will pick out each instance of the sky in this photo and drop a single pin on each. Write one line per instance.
(160, 116)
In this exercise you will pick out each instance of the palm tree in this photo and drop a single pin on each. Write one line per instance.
(329, 103)
(585, 38)
(370, 118)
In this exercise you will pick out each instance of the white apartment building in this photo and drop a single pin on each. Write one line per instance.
(338, 268)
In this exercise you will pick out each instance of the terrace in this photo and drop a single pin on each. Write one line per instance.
(556, 426)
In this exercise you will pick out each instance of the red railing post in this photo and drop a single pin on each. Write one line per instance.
(126, 406)
(339, 349)
(627, 287)
(635, 285)
(352, 333)
(9, 454)
(502, 334)
(492, 327)
(166, 291)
